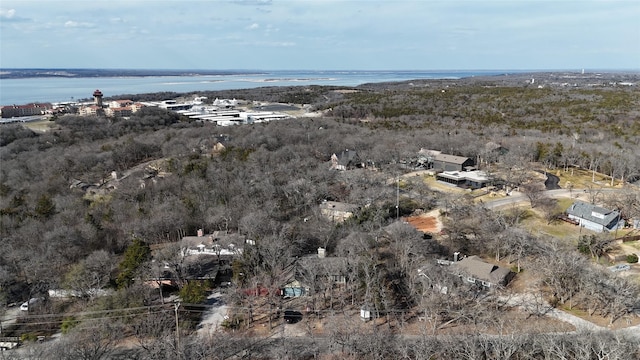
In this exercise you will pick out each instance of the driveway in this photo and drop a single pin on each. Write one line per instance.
(214, 316)
(552, 182)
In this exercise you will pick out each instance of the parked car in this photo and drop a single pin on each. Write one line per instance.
(25, 305)
(292, 317)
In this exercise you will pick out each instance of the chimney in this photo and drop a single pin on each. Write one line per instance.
(321, 253)
(200, 232)
(455, 256)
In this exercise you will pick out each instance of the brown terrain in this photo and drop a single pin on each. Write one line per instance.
(427, 222)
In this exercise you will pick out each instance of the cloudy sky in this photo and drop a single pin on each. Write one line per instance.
(321, 34)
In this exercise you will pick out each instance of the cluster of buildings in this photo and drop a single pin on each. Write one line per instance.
(33, 109)
(221, 112)
(115, 108)
(456, 170)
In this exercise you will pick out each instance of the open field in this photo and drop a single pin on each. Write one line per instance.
(40, 126)
(583, 179)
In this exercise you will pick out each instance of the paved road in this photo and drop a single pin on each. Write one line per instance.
(517, 197)
(552, 182)
(530, 303)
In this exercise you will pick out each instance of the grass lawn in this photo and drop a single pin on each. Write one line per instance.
(558, 229)
(582, 179)
(633, 244)
(564, 203)
(535, 222)
(40, 126)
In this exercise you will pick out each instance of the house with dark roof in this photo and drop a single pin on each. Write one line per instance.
(594, 217)
(346, 160)
(314, 273)
(446, 162)
(476, 271)
(207, 256)
(337, 211)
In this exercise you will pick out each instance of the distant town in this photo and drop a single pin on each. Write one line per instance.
(222, 112)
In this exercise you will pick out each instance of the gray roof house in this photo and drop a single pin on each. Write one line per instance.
(594, 217)
(305, 275)
(345, 160)
(475, 270)
(448, 162)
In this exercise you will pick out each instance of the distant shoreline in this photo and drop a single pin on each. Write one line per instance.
(23, 86)
(63, 73)
(94, 73)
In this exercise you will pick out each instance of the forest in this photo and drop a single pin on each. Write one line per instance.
(96, 203)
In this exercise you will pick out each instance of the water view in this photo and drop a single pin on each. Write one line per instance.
(59, 89)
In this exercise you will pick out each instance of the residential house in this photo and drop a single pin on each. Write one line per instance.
(425, 158)
(476, 271)
(209, 256)
(594, 217)
(337, 211)
(491, 152)
(314, 273)
(218, 243)
(346, 160)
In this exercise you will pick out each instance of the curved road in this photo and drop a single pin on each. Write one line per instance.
(552, 182)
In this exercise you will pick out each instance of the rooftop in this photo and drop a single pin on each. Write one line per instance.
(481, 270)
(450, 158)
(593, 213)
(476, 175)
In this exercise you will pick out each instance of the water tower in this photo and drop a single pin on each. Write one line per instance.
(97, 98)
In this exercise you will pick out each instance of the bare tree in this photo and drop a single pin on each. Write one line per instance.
(534, 192)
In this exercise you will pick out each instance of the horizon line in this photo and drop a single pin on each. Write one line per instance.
(329, 70)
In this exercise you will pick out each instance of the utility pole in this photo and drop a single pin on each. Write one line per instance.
(177, 306)
(397, 197)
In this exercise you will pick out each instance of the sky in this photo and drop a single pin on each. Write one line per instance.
(321, 34)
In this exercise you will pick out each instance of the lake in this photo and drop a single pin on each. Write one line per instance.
(59, 89)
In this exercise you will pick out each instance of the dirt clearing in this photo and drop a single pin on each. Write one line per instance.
(427, 222)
